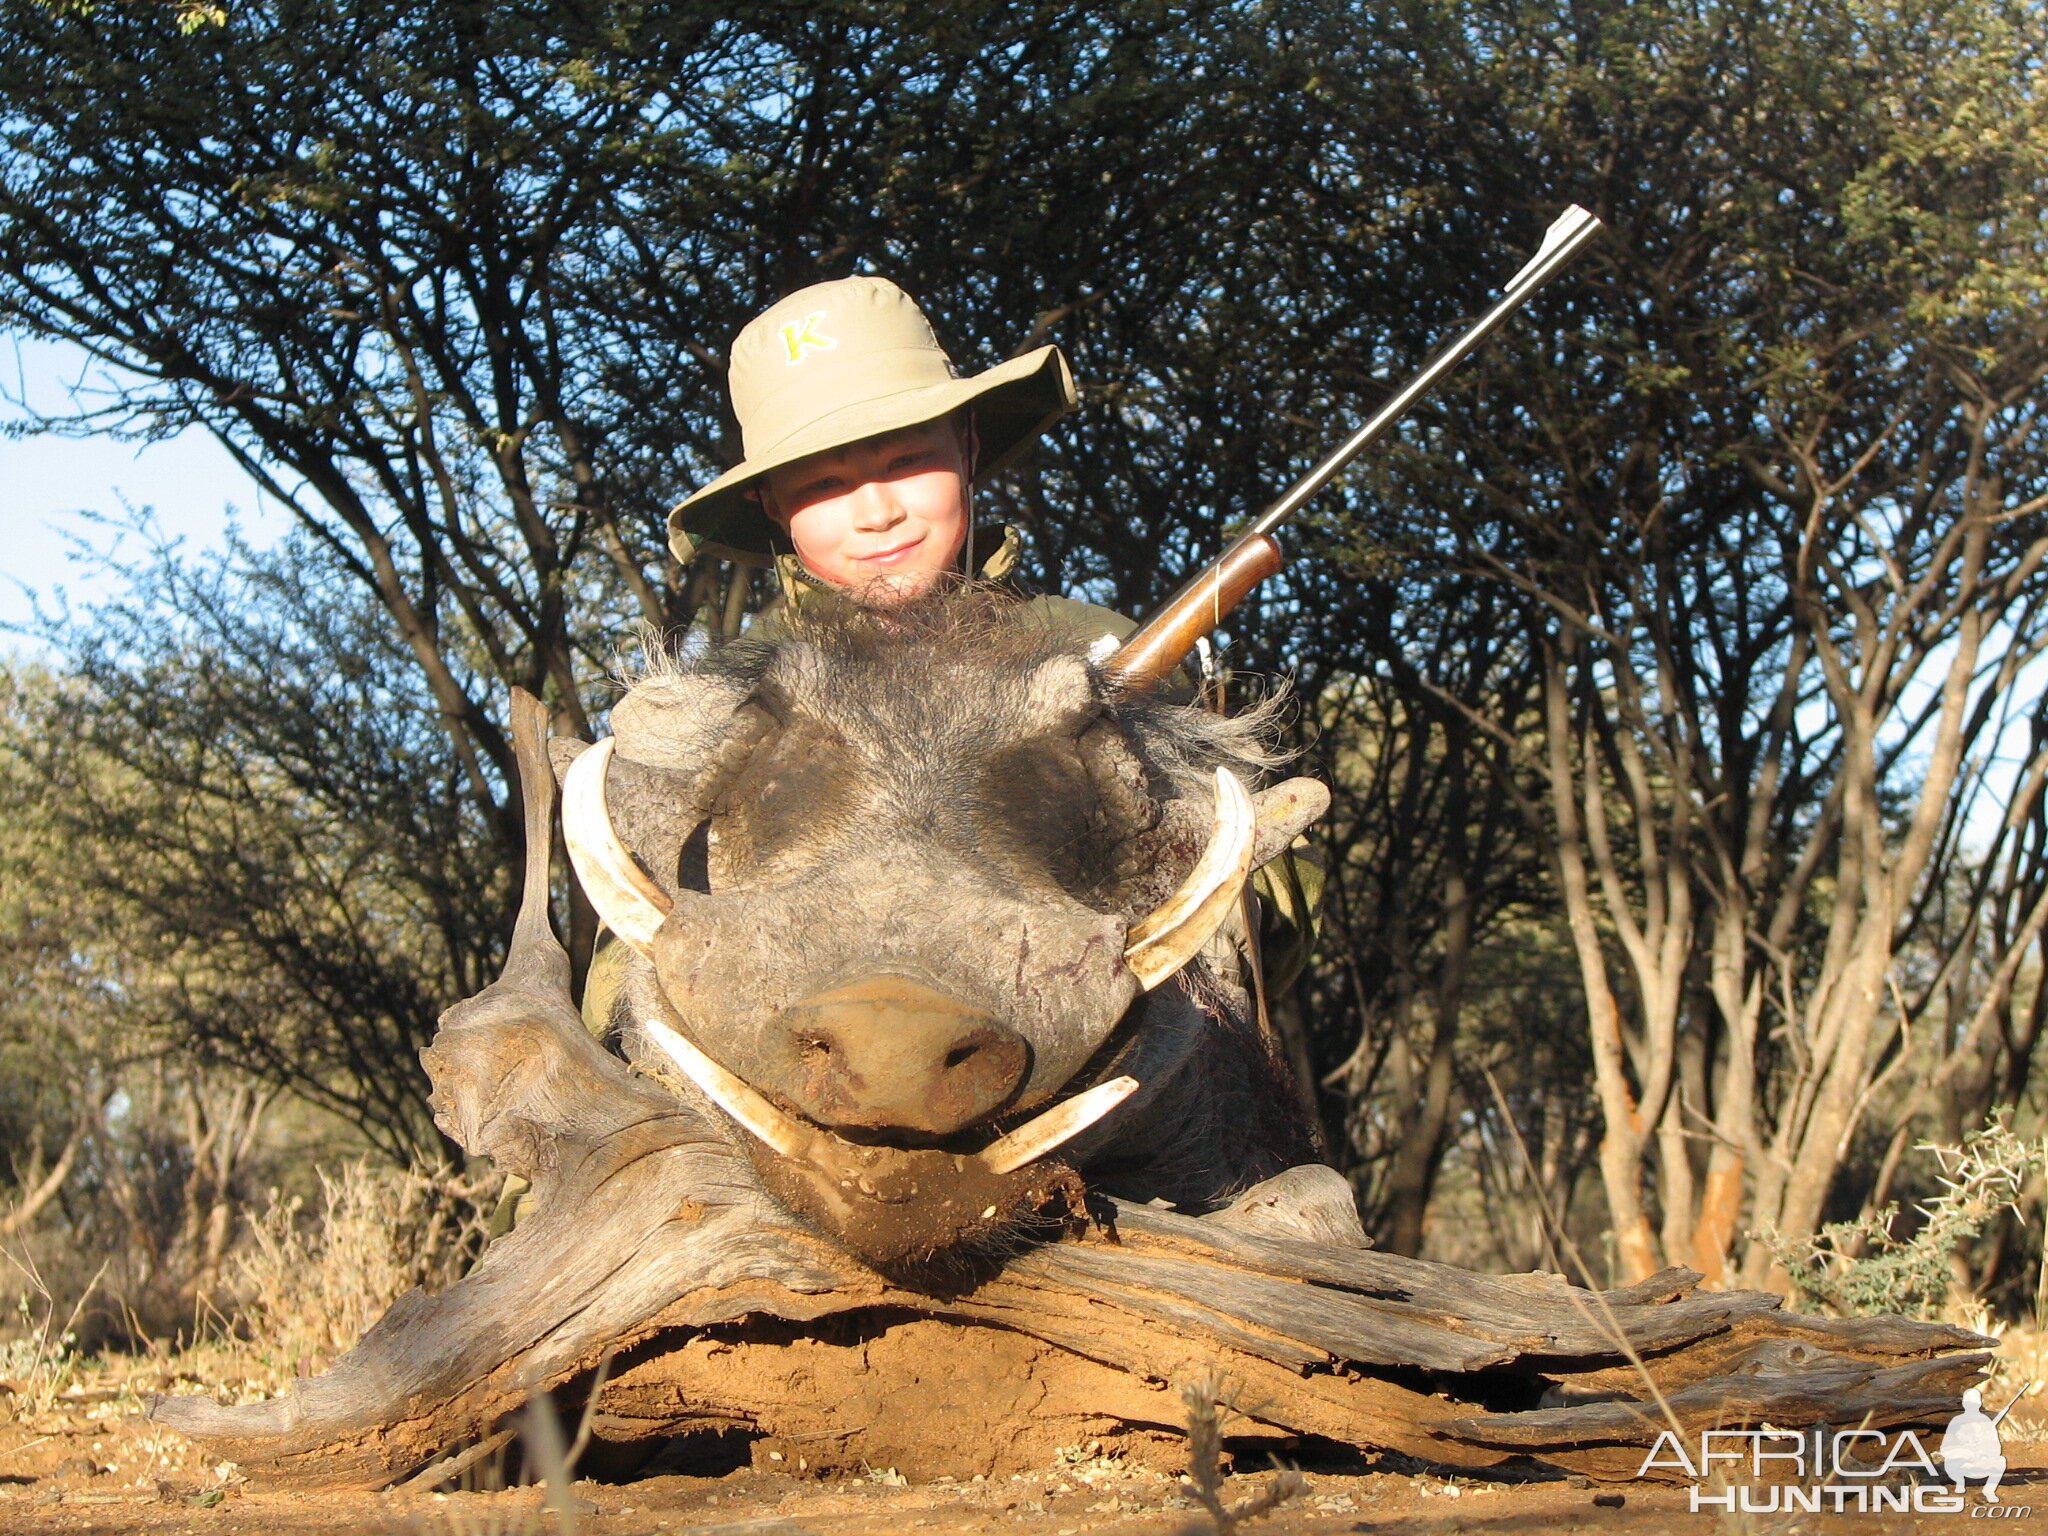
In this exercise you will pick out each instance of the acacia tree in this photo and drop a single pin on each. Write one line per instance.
(131, 1152)
(1773, 507)
(1605, 638)
(1429, 862)
(254, 834)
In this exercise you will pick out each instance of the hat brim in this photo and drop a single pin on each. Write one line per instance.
(1013, 402)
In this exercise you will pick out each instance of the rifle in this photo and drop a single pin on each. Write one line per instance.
(1164, 640)
(2008, 1408)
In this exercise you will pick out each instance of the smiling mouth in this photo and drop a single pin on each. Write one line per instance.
(883, 556)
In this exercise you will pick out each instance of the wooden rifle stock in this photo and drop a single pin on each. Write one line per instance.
(1148, 658)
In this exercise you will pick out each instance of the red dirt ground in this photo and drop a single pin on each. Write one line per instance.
(89, 1463)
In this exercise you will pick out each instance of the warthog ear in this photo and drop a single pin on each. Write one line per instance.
(1282, 812)
(676, 721)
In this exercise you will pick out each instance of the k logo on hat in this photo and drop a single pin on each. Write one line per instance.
(835, 363)
(803, 336)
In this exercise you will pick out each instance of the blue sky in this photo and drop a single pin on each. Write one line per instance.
(189, 482)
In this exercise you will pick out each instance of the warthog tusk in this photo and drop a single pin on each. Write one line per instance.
(630, 903)
(1007, 1154)
(1062, 1123)
(1170, 937)
(730, 1093)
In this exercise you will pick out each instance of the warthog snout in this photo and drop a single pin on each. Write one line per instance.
(887, 1053)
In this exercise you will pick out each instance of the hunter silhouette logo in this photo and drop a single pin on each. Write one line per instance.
(1868, 1471)
(1970, 1446)
(802, 337)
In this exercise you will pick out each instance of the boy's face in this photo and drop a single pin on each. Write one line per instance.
(882, 517)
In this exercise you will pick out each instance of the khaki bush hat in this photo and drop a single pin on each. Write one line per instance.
(841, 361)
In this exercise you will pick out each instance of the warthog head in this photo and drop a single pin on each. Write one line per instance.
(912, 899)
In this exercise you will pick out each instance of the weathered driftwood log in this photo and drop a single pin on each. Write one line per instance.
(654, 1235)
(648, 1237)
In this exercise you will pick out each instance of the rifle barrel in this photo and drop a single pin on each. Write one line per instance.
(1205, 600)
(1565, 238)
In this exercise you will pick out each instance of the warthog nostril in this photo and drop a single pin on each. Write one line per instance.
(888, 1054)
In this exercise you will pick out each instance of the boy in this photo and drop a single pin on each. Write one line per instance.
(862, 450)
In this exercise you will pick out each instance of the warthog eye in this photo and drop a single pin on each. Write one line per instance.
(1039, 816)
(693, 868)
(779, 809)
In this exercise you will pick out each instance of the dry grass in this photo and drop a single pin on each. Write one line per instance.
(311, 1279)
(2021, 1367)
(313, 1283)
(38, 1363)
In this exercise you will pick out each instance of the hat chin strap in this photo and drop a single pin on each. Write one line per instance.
(971, 450)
